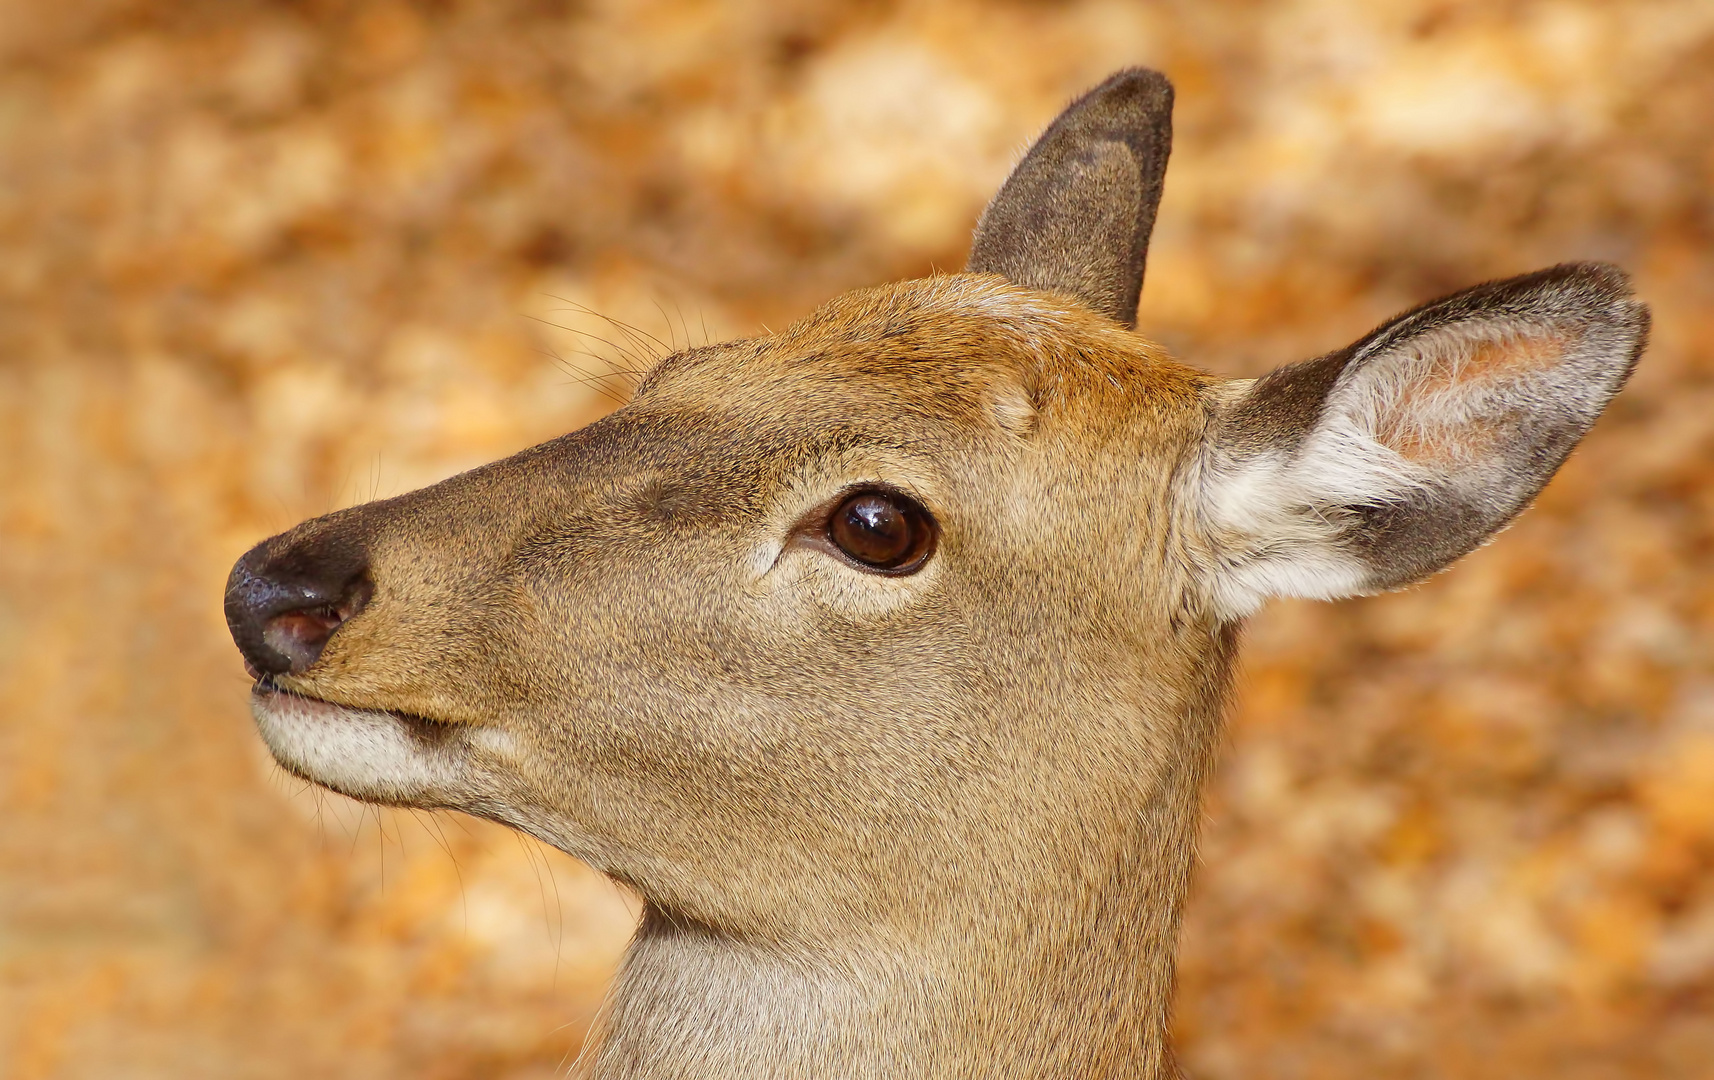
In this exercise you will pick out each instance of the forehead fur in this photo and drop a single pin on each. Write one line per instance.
(946, 346)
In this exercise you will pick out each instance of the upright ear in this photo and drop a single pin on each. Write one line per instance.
(1075, 215)
(1378, 465)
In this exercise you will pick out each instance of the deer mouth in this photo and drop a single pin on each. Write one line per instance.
(371, 754)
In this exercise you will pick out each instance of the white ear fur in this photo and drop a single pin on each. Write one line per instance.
(1266, 516)
(1378, 465)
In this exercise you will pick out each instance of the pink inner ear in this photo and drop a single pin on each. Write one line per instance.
(1456, 399)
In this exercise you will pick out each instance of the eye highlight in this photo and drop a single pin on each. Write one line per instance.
(882, 530)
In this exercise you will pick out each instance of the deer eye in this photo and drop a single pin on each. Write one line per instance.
(883, 531)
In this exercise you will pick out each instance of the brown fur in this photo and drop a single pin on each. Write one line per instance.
(935, 825)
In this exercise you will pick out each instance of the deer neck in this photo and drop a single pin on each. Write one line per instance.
(1073, 980)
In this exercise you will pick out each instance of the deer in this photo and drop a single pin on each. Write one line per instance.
(884, 657)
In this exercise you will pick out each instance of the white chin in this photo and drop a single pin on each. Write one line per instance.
(375, 756)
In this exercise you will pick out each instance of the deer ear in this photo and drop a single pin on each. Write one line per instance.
(1075, 215)
(1377, 465)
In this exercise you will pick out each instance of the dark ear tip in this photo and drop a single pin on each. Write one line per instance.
(1603, 288)
(1146, 87)
(1595, 277)
(1576, 291)
(1594, 283)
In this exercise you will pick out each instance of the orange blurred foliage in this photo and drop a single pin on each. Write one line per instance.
(264, 259)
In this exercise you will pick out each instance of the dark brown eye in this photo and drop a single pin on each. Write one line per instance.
(883, 530)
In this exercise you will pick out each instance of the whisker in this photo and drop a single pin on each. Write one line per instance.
(530, 857)
(638, 352)
(618, 324)
(668, 320)
(559, 913)
(678, 307)
(584, 377)
(615, 346)
(430, 823)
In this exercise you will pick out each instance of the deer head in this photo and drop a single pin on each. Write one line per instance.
(884, 656)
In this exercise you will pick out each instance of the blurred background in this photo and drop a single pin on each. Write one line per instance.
(262, 260)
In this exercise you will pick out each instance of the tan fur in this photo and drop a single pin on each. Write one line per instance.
(938, 824)
(874, 808)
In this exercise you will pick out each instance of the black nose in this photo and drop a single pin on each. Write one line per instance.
(288, 595)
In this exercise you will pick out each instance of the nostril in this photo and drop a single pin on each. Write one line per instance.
(283, 606)
(297, 635)
(300, 635)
